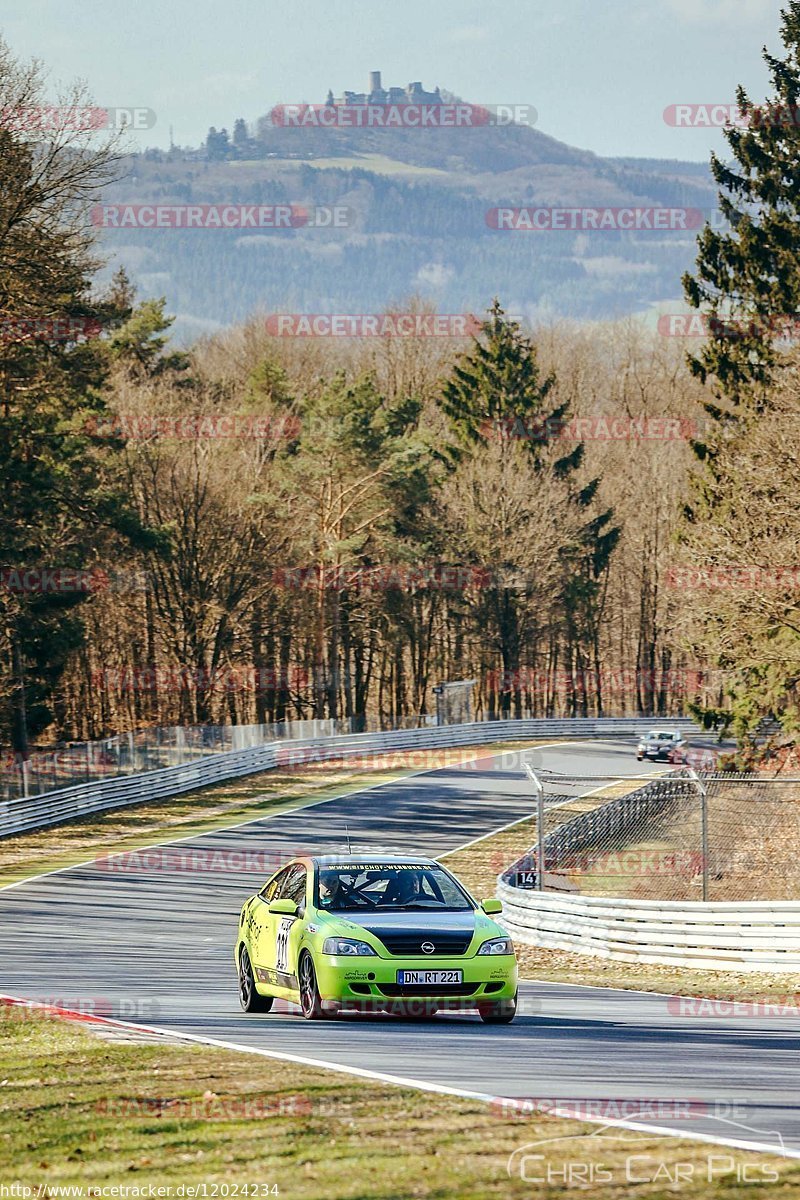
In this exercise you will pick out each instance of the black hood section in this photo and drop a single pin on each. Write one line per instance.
(405, 932)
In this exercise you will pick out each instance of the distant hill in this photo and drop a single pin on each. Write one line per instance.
(418, 202)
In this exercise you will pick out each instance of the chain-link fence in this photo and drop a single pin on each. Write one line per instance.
(454, 702)
(685, 836)
(45, 770)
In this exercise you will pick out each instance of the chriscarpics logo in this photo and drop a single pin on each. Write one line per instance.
(615, 1157)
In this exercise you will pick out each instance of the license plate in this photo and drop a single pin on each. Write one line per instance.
(430, 977)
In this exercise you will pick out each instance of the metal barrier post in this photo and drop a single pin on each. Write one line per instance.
(703, 790)
(537, 783)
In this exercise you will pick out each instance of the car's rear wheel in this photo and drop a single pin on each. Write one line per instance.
(502, 1012)
(311, 1003)
(249, 998)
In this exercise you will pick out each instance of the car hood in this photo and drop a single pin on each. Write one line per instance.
(426, 924)
(394, 929)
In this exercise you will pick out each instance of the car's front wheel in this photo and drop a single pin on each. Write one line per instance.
(502, 1012)
(311, 1003)
(249, 998)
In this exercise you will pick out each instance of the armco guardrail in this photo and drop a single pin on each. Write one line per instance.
(35, 812)
(743, 935)
(50, 808)
(761, 935)
(158, 747)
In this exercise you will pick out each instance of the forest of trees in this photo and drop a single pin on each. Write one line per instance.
(363, 468)
(586, 521)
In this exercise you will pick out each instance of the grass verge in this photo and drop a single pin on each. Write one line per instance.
(76, 1109)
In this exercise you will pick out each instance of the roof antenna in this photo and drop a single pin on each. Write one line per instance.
(347, 832)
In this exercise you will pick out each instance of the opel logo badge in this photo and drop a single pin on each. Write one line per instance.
(428, 947)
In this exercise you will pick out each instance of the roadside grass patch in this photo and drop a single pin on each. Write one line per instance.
(76, 1109)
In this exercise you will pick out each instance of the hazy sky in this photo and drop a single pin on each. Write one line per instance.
(599, 72)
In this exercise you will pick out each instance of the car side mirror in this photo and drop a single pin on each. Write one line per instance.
(284, 908)
(490, 907)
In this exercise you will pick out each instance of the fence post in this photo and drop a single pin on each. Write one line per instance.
(180, 746)
(703, 790)
(537, 783)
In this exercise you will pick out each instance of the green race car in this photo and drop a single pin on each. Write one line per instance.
(390, 934)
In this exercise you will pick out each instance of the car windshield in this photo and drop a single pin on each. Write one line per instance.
(395, 887)
(659, 737)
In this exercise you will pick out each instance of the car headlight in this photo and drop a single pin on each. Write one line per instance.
(346, 946)
(497, 946)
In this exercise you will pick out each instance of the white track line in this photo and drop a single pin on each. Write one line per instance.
(442, 1089)
(396, 1080)
(189, 837)
(340, 796)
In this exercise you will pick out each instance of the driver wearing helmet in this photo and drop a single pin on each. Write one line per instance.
(405, 888)
(331, 889)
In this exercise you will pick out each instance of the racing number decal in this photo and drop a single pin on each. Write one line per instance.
(282, 944)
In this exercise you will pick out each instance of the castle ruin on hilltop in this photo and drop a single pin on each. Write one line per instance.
(414, 93)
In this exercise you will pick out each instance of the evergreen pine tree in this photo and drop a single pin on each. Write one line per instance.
(747, 279)
(240, 137)
(498, 389)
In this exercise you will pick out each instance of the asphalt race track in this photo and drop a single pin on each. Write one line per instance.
(155, 943)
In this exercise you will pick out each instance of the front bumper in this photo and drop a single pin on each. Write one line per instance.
(371, 982)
